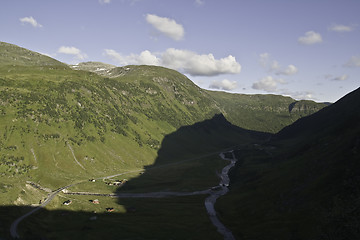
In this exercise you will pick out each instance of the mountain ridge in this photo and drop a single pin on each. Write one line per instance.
(268, 112)
(11, 54)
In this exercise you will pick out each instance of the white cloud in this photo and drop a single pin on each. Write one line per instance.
(199, 65)
(310, 38)
(147, 58)
(199, 2)
(144, 58)
(290, 70)
(224, 85)
(354, 61)
(272, 65)
(72, 51)
(268, 84)
(305, 95)
(132, 2)
(302, 95)
(181, 60)
(341, 78)
(31, 21)
(264, 59)
(267, 63)
(166, 26)
(115, 56)
(341, 28)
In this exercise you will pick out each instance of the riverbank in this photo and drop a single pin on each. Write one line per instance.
(211, 200)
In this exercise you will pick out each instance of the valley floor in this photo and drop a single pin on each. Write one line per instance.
(214, 192)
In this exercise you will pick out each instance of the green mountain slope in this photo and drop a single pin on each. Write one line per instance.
(13, 55)
(267, 113)
(109, 124)
(58, 124)
(304, 183)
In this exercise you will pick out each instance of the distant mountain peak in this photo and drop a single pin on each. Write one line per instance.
(100, 68)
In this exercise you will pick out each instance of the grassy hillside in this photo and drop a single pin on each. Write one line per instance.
(13, 55)
(109, 124)
(59, 125)
(303, 184)
(150, 124)
(267, 113)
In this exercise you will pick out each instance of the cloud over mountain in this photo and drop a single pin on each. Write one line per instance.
(166, 26)
(31, 21)
(300, 95)
(310, 38)
(199, 64)
(145, 57)
(72, 51)
(268, 84)
(182, 60)
(224, 85)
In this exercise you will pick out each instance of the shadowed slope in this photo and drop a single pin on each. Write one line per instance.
(188, 158)
(304, 184)
(331, 120)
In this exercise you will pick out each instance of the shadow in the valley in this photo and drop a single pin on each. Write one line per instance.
(151, 220)
(187, 161)
(188, 158)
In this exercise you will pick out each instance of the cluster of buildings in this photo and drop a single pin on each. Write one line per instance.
(95, 201)
(117, 182)
(113, 183)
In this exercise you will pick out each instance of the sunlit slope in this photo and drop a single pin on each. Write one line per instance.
(13, 55)
(59, 125)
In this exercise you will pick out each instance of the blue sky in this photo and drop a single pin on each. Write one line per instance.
(300, 48)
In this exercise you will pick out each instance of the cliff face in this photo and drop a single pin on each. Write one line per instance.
(306, 107)
(266, 113)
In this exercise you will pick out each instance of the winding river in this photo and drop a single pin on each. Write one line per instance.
(214, 195)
